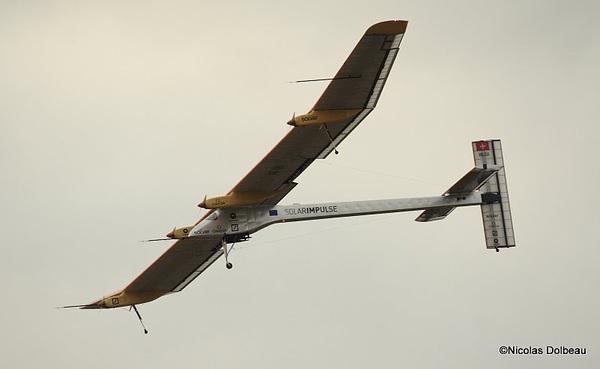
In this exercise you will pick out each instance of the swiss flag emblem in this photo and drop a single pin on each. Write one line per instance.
(482, 146)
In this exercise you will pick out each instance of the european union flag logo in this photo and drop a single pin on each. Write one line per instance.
(272, 213)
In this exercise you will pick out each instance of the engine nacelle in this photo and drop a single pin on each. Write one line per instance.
(322, 117)
(178, 233)
(236, 199)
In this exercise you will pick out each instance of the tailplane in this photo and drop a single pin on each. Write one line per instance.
(488, 177)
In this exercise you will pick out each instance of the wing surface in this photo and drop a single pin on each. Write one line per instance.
(356, 86)
(179, 265)
(185, 260)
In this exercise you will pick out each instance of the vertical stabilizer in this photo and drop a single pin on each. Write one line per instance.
(497, 219)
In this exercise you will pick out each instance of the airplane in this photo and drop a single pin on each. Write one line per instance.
(253, 203)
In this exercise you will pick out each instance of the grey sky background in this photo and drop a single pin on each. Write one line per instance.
(117, 119)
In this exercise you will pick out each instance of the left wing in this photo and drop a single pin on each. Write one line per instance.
(172, 272)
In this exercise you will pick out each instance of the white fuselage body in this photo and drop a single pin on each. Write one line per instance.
(245, 220)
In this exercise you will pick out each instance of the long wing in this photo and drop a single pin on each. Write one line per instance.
(172, 272)
(356, 87)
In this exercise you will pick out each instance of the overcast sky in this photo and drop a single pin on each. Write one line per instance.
(116, 119)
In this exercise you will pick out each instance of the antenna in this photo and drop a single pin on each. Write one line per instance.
(156, 239)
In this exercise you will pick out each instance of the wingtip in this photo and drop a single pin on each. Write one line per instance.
(391, 27)
(84, 306)
(98, 304)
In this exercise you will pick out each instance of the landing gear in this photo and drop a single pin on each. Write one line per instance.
(140, 318)
(497, 249)
(228, 265)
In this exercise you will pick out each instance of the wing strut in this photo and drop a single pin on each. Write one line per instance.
(330, 139)
(140, 318)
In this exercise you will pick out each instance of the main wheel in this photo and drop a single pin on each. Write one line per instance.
(229, 265)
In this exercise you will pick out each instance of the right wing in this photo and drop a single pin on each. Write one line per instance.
(355, 88)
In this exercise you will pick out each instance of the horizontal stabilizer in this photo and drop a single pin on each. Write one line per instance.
(437, 213)
(469, 183)
(472, 181)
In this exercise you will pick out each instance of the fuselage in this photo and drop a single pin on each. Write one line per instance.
(237, 223)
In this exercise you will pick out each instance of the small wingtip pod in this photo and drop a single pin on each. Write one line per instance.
(391, 27)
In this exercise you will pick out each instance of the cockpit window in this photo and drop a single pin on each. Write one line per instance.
(213, 216)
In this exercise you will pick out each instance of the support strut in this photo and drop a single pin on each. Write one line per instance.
(330, 138)
(140, 318)
(228, 265)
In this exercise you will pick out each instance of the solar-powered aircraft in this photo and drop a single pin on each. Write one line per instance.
(253, 203)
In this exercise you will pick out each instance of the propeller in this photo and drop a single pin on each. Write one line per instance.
(203, 203)
(168, 237)
(293, 121)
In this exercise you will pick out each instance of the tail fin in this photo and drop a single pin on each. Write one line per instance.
(489, 178)
(469, 183)
(497, 218)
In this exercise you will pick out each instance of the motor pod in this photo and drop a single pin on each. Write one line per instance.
(322, 117)
(236, 199)
(178, 233)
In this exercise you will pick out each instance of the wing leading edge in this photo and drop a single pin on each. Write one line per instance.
(350, 96)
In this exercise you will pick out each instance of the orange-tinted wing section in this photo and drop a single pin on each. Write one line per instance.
(356, 86)
(179, 265)
(185, 260)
